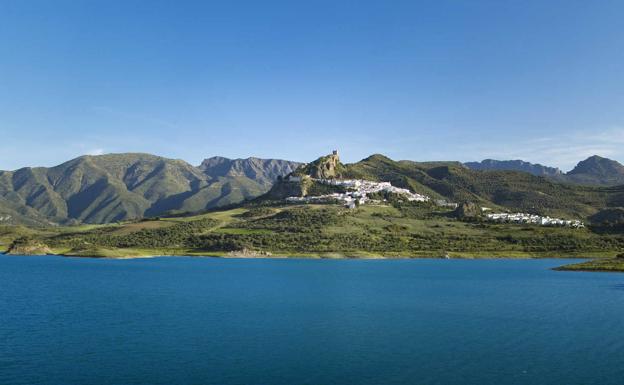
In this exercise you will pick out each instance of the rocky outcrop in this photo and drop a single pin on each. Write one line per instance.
(467, 210)
(301, 181)
(325, 167)
(285, 188)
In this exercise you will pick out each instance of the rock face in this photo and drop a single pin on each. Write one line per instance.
(263, 171)
(515, 165)
(325, 167)
(285, 188)
(467, 210)
(301, 181)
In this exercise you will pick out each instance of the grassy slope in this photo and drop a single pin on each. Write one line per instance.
(326, 231)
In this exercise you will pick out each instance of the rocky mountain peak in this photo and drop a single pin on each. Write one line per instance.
(325, 167)
(598, 166)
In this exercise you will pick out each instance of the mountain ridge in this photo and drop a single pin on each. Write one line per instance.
(514, 165)
(117, 187)
(114, 187)
(594, 171)
(265, 171)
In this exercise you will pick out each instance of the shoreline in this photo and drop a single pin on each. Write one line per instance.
(593, 262)
(296, 255)
(604, 265)
(313, 255)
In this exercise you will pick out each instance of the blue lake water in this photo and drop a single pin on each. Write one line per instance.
(216, 321)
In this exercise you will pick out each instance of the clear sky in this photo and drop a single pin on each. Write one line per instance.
(540, 80)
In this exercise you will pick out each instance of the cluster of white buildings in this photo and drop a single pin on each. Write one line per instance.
(533, 219)
(361, 188)
(5, 218)
(357, 191)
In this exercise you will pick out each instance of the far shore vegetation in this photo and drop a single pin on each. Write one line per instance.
(396, 230)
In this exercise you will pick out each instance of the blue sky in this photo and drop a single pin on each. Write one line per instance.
(423, 80)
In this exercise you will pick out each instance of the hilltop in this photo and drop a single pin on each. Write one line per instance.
(597, 170)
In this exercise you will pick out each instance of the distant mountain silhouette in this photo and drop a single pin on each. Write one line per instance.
(594, 171)
(597, 170)
(515, 165)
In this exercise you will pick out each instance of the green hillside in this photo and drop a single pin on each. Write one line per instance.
(452, 181)
(109, 188)
(512, 190)
(390, 230)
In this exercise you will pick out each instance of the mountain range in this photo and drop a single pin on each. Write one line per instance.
(116, 187)
(593, 171)
(515, 165)
(109, 188)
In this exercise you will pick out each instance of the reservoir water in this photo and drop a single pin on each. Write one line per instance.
(224, 321)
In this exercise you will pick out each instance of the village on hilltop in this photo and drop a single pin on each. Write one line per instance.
(357, 192)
